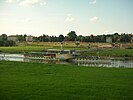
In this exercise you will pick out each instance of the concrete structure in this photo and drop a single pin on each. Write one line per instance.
(109, 40)
(12, 37)
(29, 38)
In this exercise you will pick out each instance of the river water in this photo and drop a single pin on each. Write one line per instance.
(109, 62)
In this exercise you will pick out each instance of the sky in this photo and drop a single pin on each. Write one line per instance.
(55, 17)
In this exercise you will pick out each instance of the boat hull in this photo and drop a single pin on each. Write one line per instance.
(64, 56)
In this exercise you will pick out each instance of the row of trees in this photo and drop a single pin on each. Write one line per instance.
(116, 38)
(5, 42)
(71, 36)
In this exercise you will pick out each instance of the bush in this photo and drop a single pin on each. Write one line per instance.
(7, 43)
(129, 48)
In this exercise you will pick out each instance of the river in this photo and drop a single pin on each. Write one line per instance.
(103, 62)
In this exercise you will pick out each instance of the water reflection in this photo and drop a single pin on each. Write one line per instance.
(103, 62)
(12, 57)
(106, 63)
(46, 61)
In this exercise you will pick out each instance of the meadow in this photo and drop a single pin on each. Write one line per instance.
(92, 49)
(109, 52)
(37, 81)
(31, 47)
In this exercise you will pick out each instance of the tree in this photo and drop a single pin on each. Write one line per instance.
(61, 38)
(103, 38)
(1, 43)
(92, 38)
(53, 39)
(115, 37)
(4, 37)
(80, 38)
(72, 36)
(125, 38)
(9, 43)
(44, 38)
(21, 38)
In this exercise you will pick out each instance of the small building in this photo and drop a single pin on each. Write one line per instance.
(109, 40)
(131, 39)
(12, 37)
(29, 38)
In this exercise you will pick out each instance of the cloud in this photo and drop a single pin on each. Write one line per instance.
(94, 19)
(11, 1)
(31, 3)
(29, 20)
(107, 31)
(70, 18)
(28, 3)
(4, 14)
(43, 3)
(93, 2)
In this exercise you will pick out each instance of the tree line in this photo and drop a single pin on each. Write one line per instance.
(5, 42)
(71, 36)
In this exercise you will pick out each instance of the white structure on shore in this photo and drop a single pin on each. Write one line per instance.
(109, 40)
(29, 38)
(12, 37)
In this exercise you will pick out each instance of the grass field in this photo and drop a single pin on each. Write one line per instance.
(39, 47)
(21, 49)
(33, 81)
(110, 52)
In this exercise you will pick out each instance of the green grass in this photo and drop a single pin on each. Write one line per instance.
(102, 52)
(33, 81)
(110, 52)
(21, 49)
(41, 46)
(118, 52)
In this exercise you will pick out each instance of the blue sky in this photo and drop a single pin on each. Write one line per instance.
(55, 17)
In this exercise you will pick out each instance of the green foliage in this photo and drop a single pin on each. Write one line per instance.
(21, 38)
(4, 37)
(22, 49)
(7, 43)
(61, 38)
(118, 52)
(72, 36)
(110, 52)
(33, 81)
(129, 48)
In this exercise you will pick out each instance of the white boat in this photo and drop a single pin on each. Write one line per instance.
(51, 54)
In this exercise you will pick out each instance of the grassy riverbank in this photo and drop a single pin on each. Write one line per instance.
(37, 48)
(88, 52)
(40, 46)
(109, 52)
(91, 49)
(33, 81)
(21, 49)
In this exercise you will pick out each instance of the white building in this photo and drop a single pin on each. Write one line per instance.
(12, 37)
(29, 38)
(109, 40)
